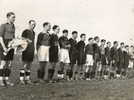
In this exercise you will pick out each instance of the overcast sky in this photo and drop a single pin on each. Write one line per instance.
(110, 19)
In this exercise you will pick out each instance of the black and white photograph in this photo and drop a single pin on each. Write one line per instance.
(66, 49)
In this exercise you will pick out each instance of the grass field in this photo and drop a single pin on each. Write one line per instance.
(74, 90)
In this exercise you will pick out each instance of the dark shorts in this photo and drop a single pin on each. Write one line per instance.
(81, 59)
(53, 54)
(9, 56)
(28, 54)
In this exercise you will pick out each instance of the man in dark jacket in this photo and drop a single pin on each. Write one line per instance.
(126, 62)
(114, 59)
(81, 56)
(108, 59)
(96, 56)
(121, 59)
(73, 54)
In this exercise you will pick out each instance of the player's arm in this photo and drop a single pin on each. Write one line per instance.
(39, 38)
(1, 37)
(3, 44)
(61, 42)
(67, 44)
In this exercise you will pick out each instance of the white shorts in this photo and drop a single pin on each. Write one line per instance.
(131, 64)
(89, 60)
(64, 56)
(43, 53)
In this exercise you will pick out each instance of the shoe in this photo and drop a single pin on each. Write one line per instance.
(2, 83)
(88, 79)
(60, 76)
(7, 82)
(22, 82)
(29, 82)
(105, 77)
(118, 76)
(50, 81)
(41, 81)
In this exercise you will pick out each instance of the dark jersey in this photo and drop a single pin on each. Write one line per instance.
(114, 54)
(53, 50)
(7, 31)
(63, 42)
(127, 58)
(43, 39)
(81, 53)
(107, 53)
(96, 52)
(73, 48)
(102, 50)
(53, 40)
(28, 54)
(73, 52)
(89, 49)
(121, 57)
(102, 55)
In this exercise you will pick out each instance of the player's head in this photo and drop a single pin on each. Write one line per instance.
(108, 44)
(97, 39)
(47, 26)
(115, 43)
(11, 17)
(122, 44)
(65, 32)
(56, 29)
(90, 40)
(127, 47)
(103, 41)
(74, 34)
(32, 24)
(83, 37)
(132, 47)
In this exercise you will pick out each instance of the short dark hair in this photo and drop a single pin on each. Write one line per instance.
(108, 42)
(126, 46)
(115, 42)
(103, 40)
(82, 35)
(96, 37)
(45, 23)
(65, 31)
(122, 43)
(74, 32)
(90, 38)
(9, 14)
(132, 46)
(31, 21)
(55, 26)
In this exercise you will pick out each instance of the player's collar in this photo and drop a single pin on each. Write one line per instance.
(8, 22)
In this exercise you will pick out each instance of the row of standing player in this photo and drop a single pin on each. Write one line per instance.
(77, 61)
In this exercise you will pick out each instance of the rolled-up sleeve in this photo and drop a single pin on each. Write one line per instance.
(2, 29)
